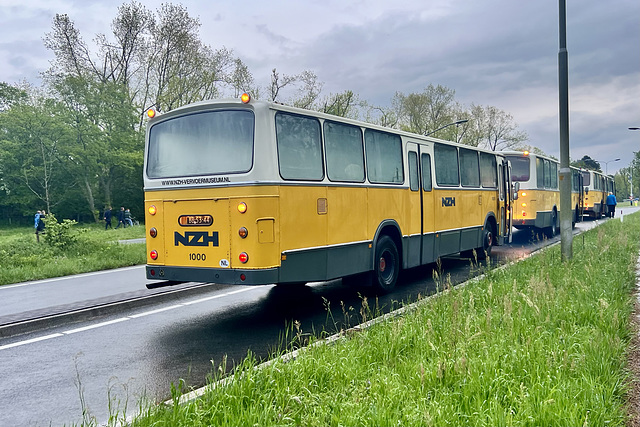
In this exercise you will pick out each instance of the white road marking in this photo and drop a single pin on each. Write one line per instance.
(96, 325)
(124, 319)
(32, 340)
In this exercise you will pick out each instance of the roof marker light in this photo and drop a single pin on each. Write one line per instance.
(245, 98)
(151, 113)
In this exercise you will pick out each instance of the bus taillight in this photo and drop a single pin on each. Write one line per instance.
(152, 210)
(243, 257)
(153, 232)
(243, 232)
(153, 254)
(242, 207)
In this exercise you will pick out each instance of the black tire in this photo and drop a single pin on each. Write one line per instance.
(488, 239)
(386, 268)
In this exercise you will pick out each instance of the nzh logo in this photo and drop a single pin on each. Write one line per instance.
(448, 201)
(196, 238)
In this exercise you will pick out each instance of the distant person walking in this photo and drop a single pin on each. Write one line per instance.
(127, 218)
(107, 218)
(611, 205)
(40, 225)
(121, 218)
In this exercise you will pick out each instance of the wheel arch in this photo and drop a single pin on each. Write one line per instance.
(388, 227)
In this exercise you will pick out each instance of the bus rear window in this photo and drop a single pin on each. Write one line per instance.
(207, 143)
(519, 168)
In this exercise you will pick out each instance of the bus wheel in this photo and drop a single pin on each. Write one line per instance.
(387, 264)
(487, 242)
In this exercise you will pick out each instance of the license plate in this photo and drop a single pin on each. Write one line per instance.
(195, 220)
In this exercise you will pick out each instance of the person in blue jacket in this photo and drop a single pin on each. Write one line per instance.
(611, 205)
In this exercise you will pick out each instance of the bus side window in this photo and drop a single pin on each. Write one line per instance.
(539, 173)
(426, 172)
(469, 168)
(446, 163)
(414, 182)
(299, 147)
(488, 170)
(344, 151)
(384, 157)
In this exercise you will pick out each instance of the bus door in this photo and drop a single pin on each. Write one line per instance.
(505, 189)
(421, 223)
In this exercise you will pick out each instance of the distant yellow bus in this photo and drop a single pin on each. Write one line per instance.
(595, 193)
(538, 203)
(252, 192)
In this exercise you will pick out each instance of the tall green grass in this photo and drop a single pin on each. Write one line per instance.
(542, 342)
(22, 258)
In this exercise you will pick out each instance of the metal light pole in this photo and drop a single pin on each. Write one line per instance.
(458, 122)
(631, 188)
(606, 165)
(566, 235)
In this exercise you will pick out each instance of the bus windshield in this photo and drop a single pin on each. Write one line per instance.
(207, 143)
(519, 168)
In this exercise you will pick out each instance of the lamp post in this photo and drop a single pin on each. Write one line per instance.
(631, 181)
(458, 122)
(606, 165)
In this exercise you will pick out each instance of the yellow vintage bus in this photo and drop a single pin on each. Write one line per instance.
(253, 192)
(595, 193)
(577, 194)
(538, 203)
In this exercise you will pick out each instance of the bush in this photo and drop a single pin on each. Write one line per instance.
(59, 234)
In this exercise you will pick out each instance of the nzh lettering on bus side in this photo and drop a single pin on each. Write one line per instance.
(196, 238)
(448, 201)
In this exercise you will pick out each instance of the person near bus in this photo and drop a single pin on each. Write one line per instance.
(611, 205)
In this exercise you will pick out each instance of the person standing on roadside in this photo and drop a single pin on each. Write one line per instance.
(107, 218)
(36, 220)
(611, 205)
(40, 225)
(121, 218)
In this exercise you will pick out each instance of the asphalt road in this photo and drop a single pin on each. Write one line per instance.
(101, 342)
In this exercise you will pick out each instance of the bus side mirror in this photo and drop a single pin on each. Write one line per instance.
(516, 189)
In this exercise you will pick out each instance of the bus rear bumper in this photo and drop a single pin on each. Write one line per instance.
(213, 275)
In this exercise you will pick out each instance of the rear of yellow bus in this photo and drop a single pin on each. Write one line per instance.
(205, 220)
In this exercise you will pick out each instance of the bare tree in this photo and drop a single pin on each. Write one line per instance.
(493, 129)
(278, 83)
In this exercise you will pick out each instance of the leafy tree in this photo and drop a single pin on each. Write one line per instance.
(341, 104)
(587, 162)
(427, 111)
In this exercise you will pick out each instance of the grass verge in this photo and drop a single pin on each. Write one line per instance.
(92, 248)
(539, 343)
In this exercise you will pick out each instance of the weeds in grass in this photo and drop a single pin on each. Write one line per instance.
(543, 342)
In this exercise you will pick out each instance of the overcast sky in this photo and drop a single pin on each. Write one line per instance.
(502, 53)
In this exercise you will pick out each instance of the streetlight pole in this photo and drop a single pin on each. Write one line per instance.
(566, 216)
(631, 188)
(458, 122)
(606, 165)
